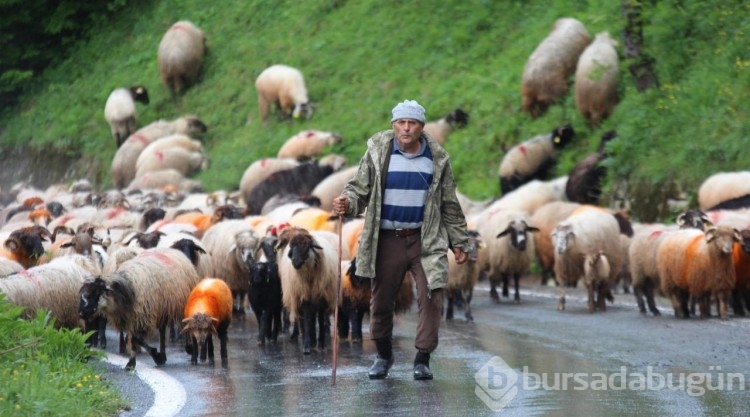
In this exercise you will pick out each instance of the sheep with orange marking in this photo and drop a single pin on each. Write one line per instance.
(309, 268)
(284, 87)
(180, 55)
(308, 144)
(146, 293)
(546, 74)
(698, 264)
(208, 312)
(642, 256)
(122, 170)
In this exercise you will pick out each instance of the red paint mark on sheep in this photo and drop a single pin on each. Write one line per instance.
(263, 163)
(114, 213)
(28, 275)
(140, 138)
(161, 257)
(655, 234)
(523, 150)
(159, 155)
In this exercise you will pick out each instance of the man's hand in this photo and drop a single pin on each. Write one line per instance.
(461, 256)
(340, 205)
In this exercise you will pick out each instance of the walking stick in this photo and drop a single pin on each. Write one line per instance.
(336, 310)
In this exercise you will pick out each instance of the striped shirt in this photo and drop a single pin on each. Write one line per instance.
(409, 177)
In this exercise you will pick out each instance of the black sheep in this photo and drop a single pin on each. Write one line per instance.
(264, 292)
(585, 179)
(300, 180)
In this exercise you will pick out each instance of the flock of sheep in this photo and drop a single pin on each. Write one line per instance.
(157, 254)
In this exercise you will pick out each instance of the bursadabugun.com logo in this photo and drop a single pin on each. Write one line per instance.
(496, 382)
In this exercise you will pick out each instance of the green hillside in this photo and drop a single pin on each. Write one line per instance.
(361, 57)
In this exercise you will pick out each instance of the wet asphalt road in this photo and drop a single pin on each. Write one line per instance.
(612, 363)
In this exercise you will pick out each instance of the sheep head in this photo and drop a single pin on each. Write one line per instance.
(722, 238)
(190, 249)
(200, 326)
(693, 219)
(302, 248)
(244, 247)
(562, 135)
(561, 237)
(518, 231)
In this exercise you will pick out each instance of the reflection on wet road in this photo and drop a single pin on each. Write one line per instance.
(600, 358)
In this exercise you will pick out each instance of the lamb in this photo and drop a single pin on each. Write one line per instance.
(596, 79)
(463, 278)
(533, 158)
(545, 76)
(643, 252)
(208, 312)
(307, 144)
(725, 190)
(119, 111)
(331, 186)
(283, 86)
(441, 128)
(545, 219)
(308, 267)
(123, 163)
(582, 234)
(145, 294)
(509, 249)
(300, 180)
(264, 291)
(698, 264)
(595, 269)
(585, 179)
(356, 292)
(233, 245)
(180, 55)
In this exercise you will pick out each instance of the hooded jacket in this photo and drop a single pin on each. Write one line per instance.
(444, 224)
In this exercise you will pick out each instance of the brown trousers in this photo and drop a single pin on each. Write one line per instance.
(396, 256)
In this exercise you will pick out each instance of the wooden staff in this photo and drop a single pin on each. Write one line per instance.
(335, 329)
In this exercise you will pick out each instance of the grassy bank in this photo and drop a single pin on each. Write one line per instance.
(360, 58)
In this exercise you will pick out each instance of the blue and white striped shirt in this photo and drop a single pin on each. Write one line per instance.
(406, 184)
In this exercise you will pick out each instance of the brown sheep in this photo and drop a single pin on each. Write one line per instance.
(697, 264)
(180, 55)
(545, 76)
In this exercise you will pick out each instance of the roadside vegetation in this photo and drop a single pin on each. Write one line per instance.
(48, 372)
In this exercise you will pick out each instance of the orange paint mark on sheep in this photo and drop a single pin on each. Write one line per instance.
(211, 296)
(741, 262)
(692, 251)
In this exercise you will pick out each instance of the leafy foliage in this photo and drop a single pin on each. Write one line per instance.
(45, 371)
(360, 58)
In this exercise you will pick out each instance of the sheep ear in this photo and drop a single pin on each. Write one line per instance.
(710, 235)
(67, 244)
(738, 236)
(12, 244)
(232, 248)
(503, 233)
(532, 229)
(316, 246)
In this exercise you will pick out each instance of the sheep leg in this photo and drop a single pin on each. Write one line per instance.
(131, 343)
(505, 280)
(357, 318)
(210, 349)
(323, 324)
(276, 320)
(123, 344)
(603, 292)
(345, 317)
(261, 319)
(449, 308)
(493, 290)
(590, 290)
(722, 297)
(101, 324)
(650, 299)
(222, 334)
(193, 350)
(639, 292)
(467, 296)
(308, 327)
(561, 301)
(204, 349)
(737, 302)
(704, 305)
(516, 296)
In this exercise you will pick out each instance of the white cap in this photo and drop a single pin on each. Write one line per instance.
(408, 109)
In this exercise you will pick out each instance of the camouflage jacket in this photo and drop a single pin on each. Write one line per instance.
(444, 224)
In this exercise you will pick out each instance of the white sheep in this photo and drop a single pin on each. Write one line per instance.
(307, 144)
(533, 158)
(531, 196)
(510, 249)
(441, 128)
(123, 163)
(545, 76)
(185, 162)
(233, 246)
(119, 111)
(308, 267)
(331, 186)
(545, 219)
(53, 286)
(725, 190)
(146, 293)
(698, 264)
(283, 86)
(596, 78)
(180, 55)
(165, 178)
(585, 233)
